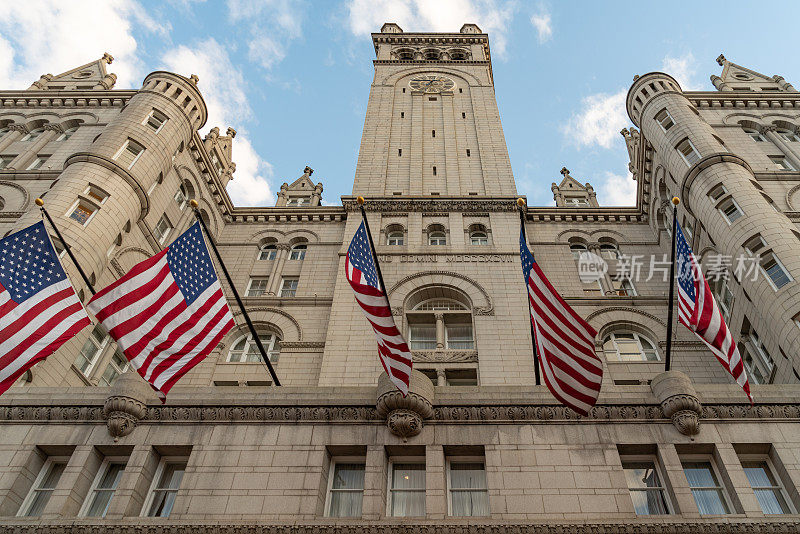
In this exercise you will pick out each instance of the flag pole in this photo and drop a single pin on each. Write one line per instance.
(675, 202)
(360, 201)
(264, 357)
(521, 206)
(39, 202)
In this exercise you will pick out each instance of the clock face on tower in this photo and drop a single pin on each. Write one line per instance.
(431, 83)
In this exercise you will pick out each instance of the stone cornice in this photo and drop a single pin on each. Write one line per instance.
(429, 204)
(442, 414)
(633, 525)
(64, 99)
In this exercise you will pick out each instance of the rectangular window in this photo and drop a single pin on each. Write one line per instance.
(82, 211)
(467, 489)
(717, 193)
(180, 197)
(724, 295)
(434, 170)
(129, 153)
(646, 486)
(37, 163)
(155, 120)
(460, 377)
(289, 287)
(623, 287)
(103, 488)
(468, 153)
(463, 115)
(256, 287)
(5, 160)
(782, 162)
(118, 365)
(458, 336)
(162, 230)
(708, 492)
(730, 210)
(166, 482)
(402, 114)
(96, 194)
(664, 119)
(43, 487)
(345, 489)
(774, 270)
(407, 489)
(433, 133)
(91, 351)
(688, 152)
(399, 152)
(769, 491)
(422, 336)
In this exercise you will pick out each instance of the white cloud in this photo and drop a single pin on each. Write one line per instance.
(493, 17)
(617, 190)
(271, 24)
(543, 24)
(684, 70)
(52, 36)
(599, 121)
(221, 85)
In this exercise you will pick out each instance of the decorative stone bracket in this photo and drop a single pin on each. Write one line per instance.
(126, 405)
(679, 401)
(404, 415)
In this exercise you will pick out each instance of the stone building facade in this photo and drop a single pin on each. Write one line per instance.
(477, 447)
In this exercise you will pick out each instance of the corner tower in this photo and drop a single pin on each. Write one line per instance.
(432, 124)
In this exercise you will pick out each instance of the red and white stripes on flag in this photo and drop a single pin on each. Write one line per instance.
(168, 313)
(39, 310)
(564, 341)
(699, 312)
(361, 272)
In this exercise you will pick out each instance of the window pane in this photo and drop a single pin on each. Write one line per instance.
(166, 490)
(423, 336)
(771, 501)
(45, 489)
(408, 476)
(699, 474)
(346, 503)
(467, 476)
(470, 503)
(172, 476)
(710, 501)
(408, 503)
(348, 476)
(105, 490)
(649, 502)
(641, 475)
(459, 336)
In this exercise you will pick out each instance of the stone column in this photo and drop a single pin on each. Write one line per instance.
(132, 489)
(375, 476)
(791, 154)
(435, 483)
(316, 196)
(24, 158)
(74, 484)
(277, 269)
(441, 377)
(15, 132)
(440, 331)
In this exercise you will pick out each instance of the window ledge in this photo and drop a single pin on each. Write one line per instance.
(444, 356)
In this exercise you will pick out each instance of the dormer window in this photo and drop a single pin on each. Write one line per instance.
(297, 201)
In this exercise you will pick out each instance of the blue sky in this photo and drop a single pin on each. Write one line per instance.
(292, 77)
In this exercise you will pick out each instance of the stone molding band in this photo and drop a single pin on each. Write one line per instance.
(442, 414)
(767, 526)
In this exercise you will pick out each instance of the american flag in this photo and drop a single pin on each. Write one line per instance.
(564, 341)
(362, 274)
(168, 312)
(39, 310)
(698, 311)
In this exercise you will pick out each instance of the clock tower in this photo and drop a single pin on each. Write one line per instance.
(432, 125)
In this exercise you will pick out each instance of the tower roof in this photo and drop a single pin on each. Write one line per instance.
(92, 75)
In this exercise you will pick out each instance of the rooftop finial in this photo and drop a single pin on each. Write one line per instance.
(721, 60)
(194, 78)
(108, 58)
(564, 171)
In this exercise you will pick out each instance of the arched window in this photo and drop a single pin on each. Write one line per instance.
(629, 346)
(33, 134)
(457, 54)
(577, 249)
(267, 252)
(245, 350)
(478, 236)
(67, 133)
(431, 54)
(440, 318)
(298, 252)
(755, 135)
(609, 251)
(405, 54)
(787, 135)
(437, 235)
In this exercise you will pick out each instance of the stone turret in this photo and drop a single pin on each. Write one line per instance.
(696, 157)
(105, 188)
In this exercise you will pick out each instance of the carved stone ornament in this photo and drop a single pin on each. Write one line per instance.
(679, 401)
(126, 405)
(404, 415)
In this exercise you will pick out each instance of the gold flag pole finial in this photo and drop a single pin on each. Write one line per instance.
(676, 200)
(193, 203)
(39, 202)
(520, 202)
(360, 200)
